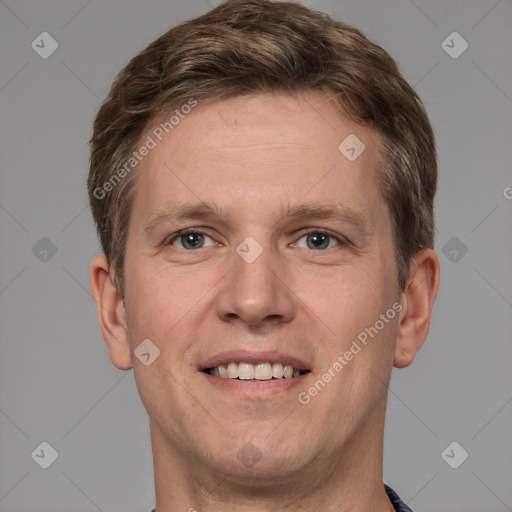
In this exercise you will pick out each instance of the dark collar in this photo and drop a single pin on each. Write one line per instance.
(399, 505)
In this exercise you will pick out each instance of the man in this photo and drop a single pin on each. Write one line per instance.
(262, 179)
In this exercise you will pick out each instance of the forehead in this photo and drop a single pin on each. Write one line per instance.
(252, 150)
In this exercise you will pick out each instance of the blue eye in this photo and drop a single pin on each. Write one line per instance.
(190, 239)
(319, 240)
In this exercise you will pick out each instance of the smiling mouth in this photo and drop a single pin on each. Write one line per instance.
(255, 372)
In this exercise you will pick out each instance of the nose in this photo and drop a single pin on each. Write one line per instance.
(256, 293)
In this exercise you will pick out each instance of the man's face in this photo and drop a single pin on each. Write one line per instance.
(258, 173)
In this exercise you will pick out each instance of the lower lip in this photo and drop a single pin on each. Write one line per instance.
(254, 389)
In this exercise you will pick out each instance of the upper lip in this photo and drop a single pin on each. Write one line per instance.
(244, 356)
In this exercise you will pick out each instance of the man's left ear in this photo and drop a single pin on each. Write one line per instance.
(417, 302)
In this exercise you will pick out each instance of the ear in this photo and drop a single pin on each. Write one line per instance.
(111, 313)
(417, 303)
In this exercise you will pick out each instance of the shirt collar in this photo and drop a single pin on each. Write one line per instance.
(399, 505)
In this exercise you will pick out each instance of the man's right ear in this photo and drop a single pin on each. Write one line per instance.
(111, 313)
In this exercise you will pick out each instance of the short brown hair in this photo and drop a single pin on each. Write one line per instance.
(254, 46)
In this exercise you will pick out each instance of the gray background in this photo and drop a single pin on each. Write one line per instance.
(56, 380)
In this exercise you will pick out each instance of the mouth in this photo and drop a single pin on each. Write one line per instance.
(262, 371)
(249, 375)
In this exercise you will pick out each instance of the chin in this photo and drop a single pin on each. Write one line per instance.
(260, 463)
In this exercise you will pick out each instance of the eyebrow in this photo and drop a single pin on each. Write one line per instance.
(177, 212)
(183, 211)
(334, 211)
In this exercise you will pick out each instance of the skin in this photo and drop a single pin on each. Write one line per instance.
(253, 157)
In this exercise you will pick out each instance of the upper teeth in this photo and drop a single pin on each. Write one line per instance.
(260, 371)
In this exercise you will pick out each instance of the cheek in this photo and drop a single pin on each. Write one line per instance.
(346, 300)
(168, 309)
(155, 299)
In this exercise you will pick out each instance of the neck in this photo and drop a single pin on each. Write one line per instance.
(348, 479)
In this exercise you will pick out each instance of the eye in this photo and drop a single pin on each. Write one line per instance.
(190, 239)
(319, 240)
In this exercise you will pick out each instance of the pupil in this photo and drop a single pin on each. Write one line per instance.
(318, 241)
(192, 240)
